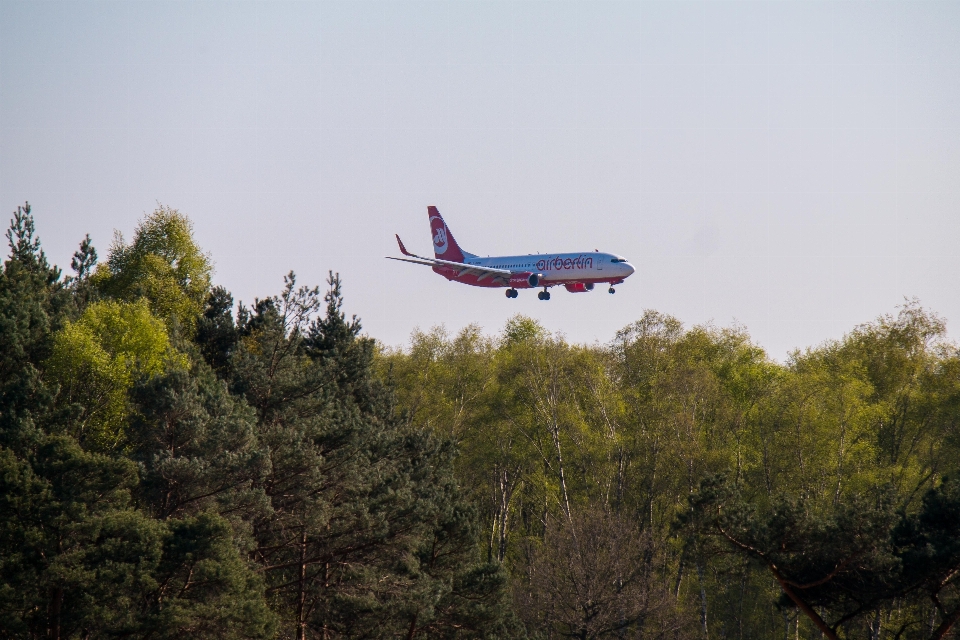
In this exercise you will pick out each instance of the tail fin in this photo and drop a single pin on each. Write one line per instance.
(444, 245)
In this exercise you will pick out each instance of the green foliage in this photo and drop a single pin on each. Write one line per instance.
(841, 564)
(84, 259)
(83, 562)
(928, 546)
(216, 334)
(203, 588)
(197, 448)
(83, 264)
(521, 329)
(76, 553)
(98, 358)
(280, 475)
(32, 306)
(164, 265)
(551, 431)
(366, 535)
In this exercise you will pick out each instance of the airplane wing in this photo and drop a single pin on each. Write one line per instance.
(461, 268)
(429, 264)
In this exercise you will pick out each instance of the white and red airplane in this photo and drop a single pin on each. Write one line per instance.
(577, 272)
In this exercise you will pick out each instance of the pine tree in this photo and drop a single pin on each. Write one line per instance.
(840, 564)
(76, 554)
(32, 304)
(367, 535)
(216, 332)
(84, 259)
(83, 263)
(197, 448)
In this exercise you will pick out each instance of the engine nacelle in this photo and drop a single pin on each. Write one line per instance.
(525, 280)
(579, 287)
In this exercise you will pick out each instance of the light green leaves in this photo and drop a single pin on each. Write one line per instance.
(99, 357)
(163, 264)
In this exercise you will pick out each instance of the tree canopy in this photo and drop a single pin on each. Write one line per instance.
(171, 466)
(175, 465)
(163, 265)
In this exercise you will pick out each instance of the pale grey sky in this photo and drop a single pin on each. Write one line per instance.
(793, 166)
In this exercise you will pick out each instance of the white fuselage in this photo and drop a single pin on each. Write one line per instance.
(562, 267)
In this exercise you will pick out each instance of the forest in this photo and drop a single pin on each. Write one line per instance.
(175, 465)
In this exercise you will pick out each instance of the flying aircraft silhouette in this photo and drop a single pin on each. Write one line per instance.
(577, 272)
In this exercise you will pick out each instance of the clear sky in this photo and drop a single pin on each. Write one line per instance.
(791, 166)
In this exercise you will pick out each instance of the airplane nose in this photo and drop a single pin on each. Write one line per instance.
(630, 268)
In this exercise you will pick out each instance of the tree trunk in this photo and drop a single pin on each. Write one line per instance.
(555, 432)
(703, 600)
(412, 631)
(302, 597)
(807, 609)
(940, 632)
(56, 602)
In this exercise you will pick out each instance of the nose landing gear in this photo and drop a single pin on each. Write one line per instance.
(611, 290)
(512, 293)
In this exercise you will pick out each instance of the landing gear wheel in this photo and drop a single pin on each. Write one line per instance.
(540, 295)
(544, 295)
(512, 293)
(611, 290)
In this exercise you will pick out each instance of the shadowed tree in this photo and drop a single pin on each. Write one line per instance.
(197, 447)
(598, 576)
(840, 563)
(355, 499)
(216, 331)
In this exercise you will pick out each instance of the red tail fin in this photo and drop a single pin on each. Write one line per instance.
(444, 246)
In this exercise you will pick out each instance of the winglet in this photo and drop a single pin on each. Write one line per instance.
(403, 249)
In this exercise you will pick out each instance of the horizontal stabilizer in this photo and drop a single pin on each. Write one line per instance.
(403, 249)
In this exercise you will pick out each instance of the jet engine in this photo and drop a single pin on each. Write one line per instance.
(525, 280)
(579, 287)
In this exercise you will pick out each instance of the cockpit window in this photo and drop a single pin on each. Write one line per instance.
(619, 260)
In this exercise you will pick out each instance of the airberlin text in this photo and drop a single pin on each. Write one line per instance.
(558, 263)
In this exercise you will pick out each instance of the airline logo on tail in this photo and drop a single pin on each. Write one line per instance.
(444, 244)
(439, 236)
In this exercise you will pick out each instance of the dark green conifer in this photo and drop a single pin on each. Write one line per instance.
(32, 303)
(197, 447)
(368, 536)
(216, 332)
(76, 555)
(84, 259)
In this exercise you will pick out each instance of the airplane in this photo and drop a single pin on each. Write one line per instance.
(577, 272)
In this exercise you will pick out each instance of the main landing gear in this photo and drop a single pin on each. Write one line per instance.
(512, 293)
(611, 290)
(543, 295)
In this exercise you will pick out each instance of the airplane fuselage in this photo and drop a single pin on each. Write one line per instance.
(553, 268)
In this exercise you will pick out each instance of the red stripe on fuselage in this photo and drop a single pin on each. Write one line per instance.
(473, 280)
(469, 278)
